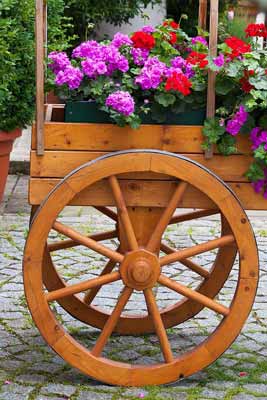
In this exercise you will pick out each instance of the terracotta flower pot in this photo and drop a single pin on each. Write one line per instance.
(6, 144)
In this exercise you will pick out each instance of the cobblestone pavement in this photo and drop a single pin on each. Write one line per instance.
(30, 370)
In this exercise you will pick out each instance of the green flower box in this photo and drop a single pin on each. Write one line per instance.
(85, 111)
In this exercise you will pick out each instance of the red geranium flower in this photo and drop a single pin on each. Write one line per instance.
(245, 84)
(178, 81)
(198, 59)
(237, 46)
(172, 24)
(143, 40)
(173, 38)
(256, 30)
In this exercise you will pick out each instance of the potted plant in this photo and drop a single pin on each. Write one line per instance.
(17, 77)
(17, 69)
(156, 75)
(159, 75)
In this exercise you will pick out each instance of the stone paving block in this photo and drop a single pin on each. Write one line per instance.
(59, 389)
(88, 395)
(245, 396)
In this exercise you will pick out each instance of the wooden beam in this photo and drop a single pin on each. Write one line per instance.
(40, 37)
(202, 14)
(213, 42)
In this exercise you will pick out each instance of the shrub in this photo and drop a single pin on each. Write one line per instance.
(88, 12)
(17, 67)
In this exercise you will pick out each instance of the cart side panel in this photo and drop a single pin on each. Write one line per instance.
(68, 146)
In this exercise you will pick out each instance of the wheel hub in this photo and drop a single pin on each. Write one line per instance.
(140, 270)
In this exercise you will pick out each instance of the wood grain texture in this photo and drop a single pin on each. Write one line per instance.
(57, 164)
(142, 193)
(108, 137)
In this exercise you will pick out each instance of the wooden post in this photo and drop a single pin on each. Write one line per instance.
(40, 35)
(202, 14)
(213, 42)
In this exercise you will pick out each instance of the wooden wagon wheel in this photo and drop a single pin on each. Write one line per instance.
(141, 269)
(83, 310)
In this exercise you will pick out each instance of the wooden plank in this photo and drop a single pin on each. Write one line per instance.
(142, 193)
(40, 70)
(202, 14)
(57, 164)
(108, 137)
(213, 42)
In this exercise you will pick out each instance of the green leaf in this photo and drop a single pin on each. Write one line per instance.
(224, 85)
(213, 130)
(260, 153)
(165, 99)
(255, 172)
(249, 125)
(227, 145)
(259, 83)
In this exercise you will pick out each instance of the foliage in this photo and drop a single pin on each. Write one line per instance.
(87, 14)
(157, 75)
(190, 7)
(17, 67)
(156, 71)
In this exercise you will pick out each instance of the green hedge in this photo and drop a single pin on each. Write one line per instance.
(17, 66)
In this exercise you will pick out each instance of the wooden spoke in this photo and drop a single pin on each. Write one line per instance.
(123, 213)
(88, 242)
(186, 262)
(108, 212)
(83, 286)
(111, 322)
(198, 249)
(155, 239)
(159, 326)
(91, 294)
(66, 244)
(192, 215)
(193, 295)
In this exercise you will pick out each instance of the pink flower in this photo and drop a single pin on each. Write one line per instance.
(71, 76)
(121, 102)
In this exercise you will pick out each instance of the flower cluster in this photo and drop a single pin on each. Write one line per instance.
(256, 30)
(143, 40)
(151, 74)
(235, 124)
(258, 137)
(198, 59)
(59, 62)
(178, 81)
(70, 76)
(121, 102)
(238, 47)
(261, 184)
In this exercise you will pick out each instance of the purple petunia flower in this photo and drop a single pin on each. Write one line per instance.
(148, 29)
(71, 76)
(219, 61)
(121, 40)
(235, 124)
(121, 102)
(93, 69)
(258, 137)
(261, 185)
(139, 56)
(179, 64)
(152, 74)
(101, 59)
(59, 60)
(199, 39)
(90, 49)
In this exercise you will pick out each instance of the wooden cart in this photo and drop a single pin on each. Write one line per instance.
(145, 176)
